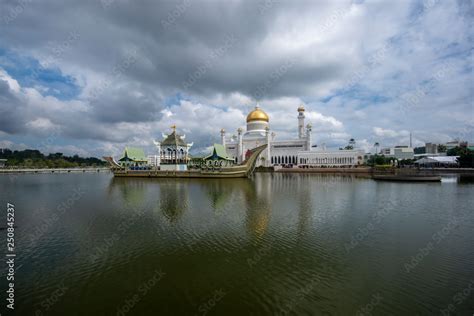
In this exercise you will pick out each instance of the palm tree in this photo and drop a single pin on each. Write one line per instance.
(351, 144)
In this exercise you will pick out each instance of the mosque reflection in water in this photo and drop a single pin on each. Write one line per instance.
(239, 202)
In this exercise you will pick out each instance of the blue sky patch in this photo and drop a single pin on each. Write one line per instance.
(29, 73)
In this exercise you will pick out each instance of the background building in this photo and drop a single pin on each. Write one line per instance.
(399, 152)
(297, 151)
(431, 148)
(438, 161)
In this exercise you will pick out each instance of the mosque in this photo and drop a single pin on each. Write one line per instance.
(299, 151)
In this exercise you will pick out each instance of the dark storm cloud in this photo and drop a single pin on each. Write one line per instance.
(126, 103)
(127, 57)
(12, 117)
(171, 49)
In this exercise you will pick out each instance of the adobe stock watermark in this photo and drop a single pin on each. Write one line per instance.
(175, 14)
(10, 256)
(16, 11)
(46, 223)
(436, 238)
(56, 52)
(428, 4)
(115, 237)
(205, 307)
(195, 238)
(259, 254)
(466, 132)
(363, 232)
(301, 294)
(413, 99)
(458, 299)
(368, 308)
(274, 77)
(48, 303)
(116, 72)
(265, 5)
(43, 145)
(141, 291)
(331, 21)
(374, 60)
(52, 219)
(210, 61)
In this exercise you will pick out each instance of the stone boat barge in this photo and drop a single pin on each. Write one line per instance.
(242, 170)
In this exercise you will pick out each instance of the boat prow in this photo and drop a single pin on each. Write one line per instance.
(243, 170)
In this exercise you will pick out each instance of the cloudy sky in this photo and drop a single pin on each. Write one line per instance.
(90, 77)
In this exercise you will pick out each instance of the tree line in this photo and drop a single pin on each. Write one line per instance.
(32, 158)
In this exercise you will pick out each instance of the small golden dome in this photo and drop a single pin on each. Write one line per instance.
(301, 108)
(257, 115)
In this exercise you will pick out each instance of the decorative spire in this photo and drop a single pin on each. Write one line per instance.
(173, 127)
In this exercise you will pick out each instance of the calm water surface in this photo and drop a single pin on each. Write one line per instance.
(89, 244)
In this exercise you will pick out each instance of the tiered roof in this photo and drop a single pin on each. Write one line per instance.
(173, 139)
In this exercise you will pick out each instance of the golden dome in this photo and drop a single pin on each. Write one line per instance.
(301, 108)
(257, 115)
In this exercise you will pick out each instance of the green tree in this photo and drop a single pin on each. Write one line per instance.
(442, 148)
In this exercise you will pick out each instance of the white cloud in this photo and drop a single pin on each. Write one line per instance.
(41, 124)
(322, 122)
(11, 145)
(388, 47)
(12, 83)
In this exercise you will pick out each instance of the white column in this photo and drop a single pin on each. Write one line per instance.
(223, 137)
(309, 140)
(300, 122)
(240, 149)
(267, 133)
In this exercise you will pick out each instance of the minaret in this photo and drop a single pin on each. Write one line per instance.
(240, 149)
(223, 137)
(309, 140)
(267, 134)
(301, 122)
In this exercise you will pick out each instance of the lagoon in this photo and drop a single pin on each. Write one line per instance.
(294, 244)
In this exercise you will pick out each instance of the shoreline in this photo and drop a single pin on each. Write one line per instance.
(53, 170)
(366, 171)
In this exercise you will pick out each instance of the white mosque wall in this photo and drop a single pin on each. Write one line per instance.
(294, 151)
(336, 158)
